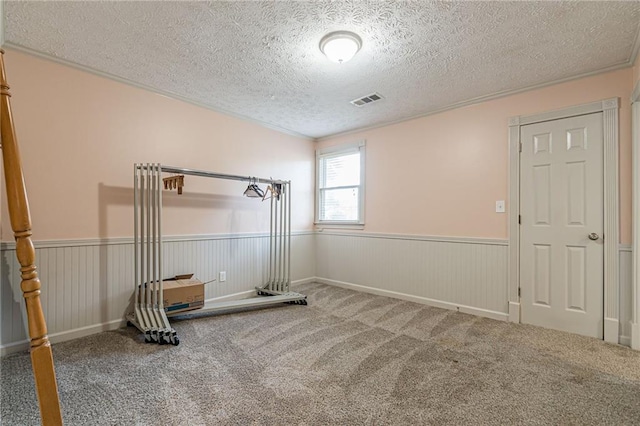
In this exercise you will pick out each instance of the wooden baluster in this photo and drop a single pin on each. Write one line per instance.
(41, 356)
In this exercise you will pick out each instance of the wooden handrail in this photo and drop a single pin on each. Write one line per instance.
(41, 355)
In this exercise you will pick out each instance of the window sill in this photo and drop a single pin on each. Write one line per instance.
(338, 225)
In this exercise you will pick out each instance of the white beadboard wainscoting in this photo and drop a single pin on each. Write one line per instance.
(87, 285)
(466, 274)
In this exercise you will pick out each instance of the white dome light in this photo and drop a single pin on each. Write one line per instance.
(340, 46)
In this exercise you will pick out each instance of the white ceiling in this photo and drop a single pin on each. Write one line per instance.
(260, 60)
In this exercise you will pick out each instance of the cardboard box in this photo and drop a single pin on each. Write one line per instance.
(182, 295)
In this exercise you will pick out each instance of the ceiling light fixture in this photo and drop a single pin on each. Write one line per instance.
(340, 46)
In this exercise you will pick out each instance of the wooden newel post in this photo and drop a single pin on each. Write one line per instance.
(41, 356)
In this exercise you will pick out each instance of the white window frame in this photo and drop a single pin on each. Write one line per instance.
(336, 151)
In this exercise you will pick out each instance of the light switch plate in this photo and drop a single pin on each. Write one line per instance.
(500, 206)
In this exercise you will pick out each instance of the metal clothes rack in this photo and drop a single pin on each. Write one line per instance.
(149, 314)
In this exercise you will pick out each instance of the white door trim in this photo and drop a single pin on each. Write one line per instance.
(635, 285)
(609, 108)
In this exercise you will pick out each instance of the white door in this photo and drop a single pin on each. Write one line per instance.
(561, 241)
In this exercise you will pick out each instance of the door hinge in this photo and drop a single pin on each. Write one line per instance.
(519, 220)
(518, 291)
(520, 147)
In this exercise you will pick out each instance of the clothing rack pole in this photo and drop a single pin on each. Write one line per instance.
(288, 237)
(282, 231)
(270, 276)
(202, 173)
(149, 314)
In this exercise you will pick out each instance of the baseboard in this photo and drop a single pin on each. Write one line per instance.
(625, 340)
(307, 280)
(501, 316)
(12, 348)
(611, 330)
(514, 312)
(635, 336)
(64, 336)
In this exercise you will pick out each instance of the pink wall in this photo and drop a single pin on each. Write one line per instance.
(80, 135)
(442, 174)
(438, 175)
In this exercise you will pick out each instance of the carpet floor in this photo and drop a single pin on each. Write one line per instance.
(348, 358)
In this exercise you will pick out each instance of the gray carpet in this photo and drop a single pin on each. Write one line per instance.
(348, 358)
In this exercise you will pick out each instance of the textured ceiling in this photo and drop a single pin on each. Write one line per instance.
(260, 60)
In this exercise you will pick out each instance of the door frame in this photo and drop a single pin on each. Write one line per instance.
(610, 124)
(635, 283)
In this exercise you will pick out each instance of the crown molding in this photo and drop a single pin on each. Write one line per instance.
(636, 49)
(472, 101)
(166, 93)
(480, 99)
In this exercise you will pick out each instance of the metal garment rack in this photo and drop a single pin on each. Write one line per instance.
(149, 314)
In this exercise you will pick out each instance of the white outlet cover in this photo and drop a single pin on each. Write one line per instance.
(500, 206)
(223, 276)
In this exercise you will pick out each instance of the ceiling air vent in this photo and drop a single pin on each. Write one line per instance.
(374, 97)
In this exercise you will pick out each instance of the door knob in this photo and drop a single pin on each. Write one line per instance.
(593, 236)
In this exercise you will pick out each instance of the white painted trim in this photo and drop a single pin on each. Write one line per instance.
(635, 51)
(514, 312)
(440, 239)
(207, 237)
(513, 273)
(625, 340)
(625, 248)
(119, 323)
(359, 147)
(612, 330)
(166, 93)
(302, 281)
(584, 109)
(320, 226)
(635, 95)
(610, 123)
(477, 100)
(417, 299)
(472, 101)
(635, 336)
(65, 336)
(635, 277)
(341, 148)
(8, 245)
(13, 348)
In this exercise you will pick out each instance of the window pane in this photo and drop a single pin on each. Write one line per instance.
(341, 171)
(339, 204)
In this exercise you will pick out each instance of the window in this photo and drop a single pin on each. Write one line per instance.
(340, 185)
